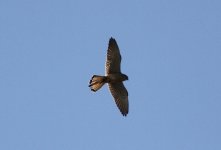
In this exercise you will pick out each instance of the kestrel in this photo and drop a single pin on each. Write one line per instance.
(113, 77)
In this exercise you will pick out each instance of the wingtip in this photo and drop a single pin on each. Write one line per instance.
(112, 39)
(124, 114)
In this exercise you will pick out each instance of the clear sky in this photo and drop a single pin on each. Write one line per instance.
(171, 51)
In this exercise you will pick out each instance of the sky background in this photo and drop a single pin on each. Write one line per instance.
(171, 51)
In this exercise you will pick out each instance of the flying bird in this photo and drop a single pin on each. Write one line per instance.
(113, 77)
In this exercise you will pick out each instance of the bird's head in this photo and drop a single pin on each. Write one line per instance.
(125, 77)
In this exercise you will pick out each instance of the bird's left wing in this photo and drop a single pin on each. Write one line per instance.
(120, 94)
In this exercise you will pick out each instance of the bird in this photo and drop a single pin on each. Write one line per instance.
(113, 77)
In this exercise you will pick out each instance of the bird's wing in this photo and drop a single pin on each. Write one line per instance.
(113, 57)
(120, 94)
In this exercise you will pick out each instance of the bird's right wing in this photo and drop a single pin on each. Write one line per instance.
(113, 57)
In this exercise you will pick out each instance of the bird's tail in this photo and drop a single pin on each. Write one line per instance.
(97, 82)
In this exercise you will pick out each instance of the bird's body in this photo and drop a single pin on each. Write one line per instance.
(116, 77)
(113, 77)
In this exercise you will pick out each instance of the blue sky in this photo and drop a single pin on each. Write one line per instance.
(171, 52)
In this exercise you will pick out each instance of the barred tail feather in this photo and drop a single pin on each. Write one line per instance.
(97, 82)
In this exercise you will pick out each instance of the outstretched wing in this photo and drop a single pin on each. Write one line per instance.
(120, 94)
(113, 57)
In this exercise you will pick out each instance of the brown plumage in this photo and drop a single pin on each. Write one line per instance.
(113, 77)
